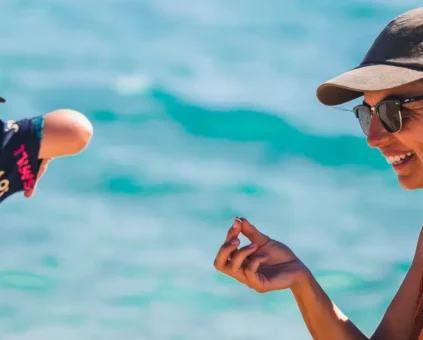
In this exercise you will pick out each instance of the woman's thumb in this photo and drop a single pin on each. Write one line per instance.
(252, 233)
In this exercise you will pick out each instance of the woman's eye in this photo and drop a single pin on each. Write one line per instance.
(407, 114)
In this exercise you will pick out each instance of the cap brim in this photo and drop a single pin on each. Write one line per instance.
(352, 84)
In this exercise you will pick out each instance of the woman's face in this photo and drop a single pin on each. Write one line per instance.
(408, 140)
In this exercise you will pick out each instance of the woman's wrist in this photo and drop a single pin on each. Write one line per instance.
(303, 279)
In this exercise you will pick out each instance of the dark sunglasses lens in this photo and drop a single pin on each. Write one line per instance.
(364, 117)
(390, 116)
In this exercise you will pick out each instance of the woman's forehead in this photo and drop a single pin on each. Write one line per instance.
(404, 91)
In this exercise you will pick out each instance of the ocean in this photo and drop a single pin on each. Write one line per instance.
(202, 110)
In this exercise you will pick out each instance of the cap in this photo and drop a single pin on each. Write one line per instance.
(394, 59)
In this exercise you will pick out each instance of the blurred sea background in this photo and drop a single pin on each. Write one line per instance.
(202, 110)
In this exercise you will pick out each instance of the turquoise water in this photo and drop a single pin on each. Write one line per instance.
(202, 111)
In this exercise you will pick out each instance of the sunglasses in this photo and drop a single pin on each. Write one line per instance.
(388, 112)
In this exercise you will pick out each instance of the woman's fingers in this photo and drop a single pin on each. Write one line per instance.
(224, 253)
(238, 260)
(252, 233)
(251, 272)
(237, 263)
(239, 257)
(230, 245)
(234, 231)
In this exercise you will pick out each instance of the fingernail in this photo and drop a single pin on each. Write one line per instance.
(236, 218)
(236, 225)
(234, 241)
(252, 245)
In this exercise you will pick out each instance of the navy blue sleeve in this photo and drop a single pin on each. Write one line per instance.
(19, 162)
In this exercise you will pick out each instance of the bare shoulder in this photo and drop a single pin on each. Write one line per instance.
(65, 132)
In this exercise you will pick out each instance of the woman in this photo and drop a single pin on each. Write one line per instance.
(390, 79)
(28, 145)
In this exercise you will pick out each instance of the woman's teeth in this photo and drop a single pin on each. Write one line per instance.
(399, 158)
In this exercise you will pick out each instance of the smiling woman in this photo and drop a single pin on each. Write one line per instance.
(27, 145)
(391, 117)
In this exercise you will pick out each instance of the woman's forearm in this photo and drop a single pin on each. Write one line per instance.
(323, 318)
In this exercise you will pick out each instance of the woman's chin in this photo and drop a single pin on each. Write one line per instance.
(410, 182)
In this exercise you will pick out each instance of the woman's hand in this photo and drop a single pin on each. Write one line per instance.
(264, 265)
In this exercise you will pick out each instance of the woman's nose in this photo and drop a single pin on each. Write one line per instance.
(377, 135)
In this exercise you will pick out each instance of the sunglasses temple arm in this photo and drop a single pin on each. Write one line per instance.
(343, 109)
